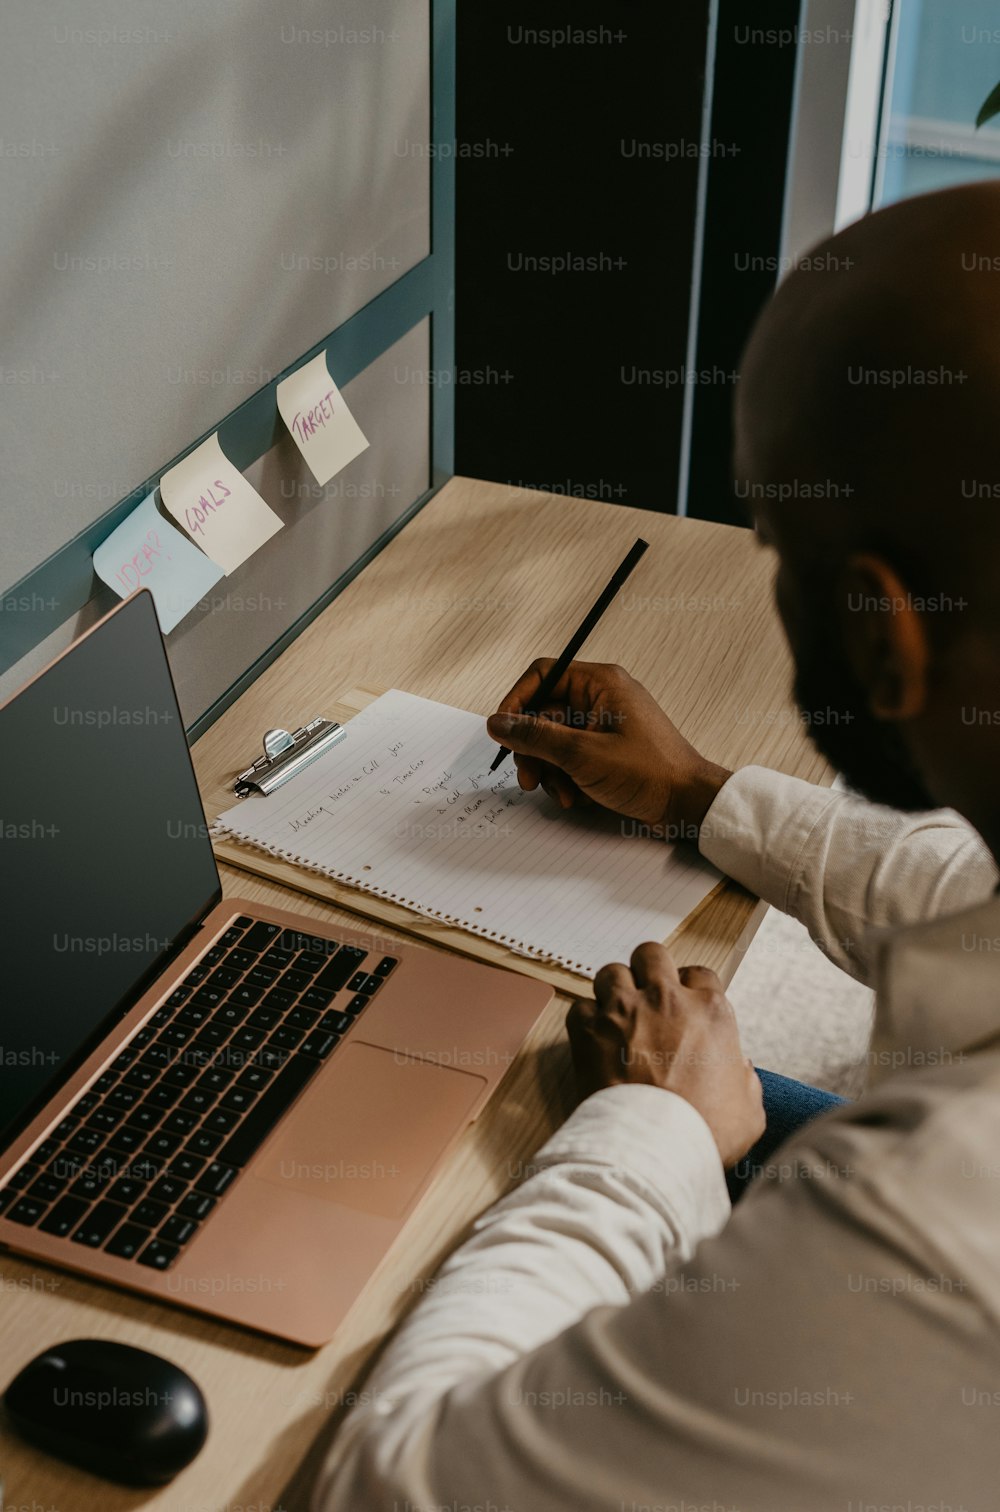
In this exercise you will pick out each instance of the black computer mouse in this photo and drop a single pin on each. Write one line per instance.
(124, 1413)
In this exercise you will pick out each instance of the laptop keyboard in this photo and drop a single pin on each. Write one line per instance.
(141, 1160)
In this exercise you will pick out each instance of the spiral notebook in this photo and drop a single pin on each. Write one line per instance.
(405, 808)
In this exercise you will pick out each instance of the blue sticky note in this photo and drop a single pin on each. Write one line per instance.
(146, 551)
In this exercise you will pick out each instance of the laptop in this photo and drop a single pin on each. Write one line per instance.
(220, 1104)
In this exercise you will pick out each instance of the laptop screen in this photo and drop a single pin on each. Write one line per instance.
(106, 857)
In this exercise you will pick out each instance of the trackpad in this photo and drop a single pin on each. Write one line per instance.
(369, 1130)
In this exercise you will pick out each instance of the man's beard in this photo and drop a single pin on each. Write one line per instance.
(869, 752)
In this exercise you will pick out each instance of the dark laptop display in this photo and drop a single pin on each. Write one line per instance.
(106, 860)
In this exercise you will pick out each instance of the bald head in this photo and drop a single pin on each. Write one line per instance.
(868, 447)
(871, 383)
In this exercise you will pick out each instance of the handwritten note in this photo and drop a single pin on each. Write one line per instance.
(407, 808)
(147, 552)
(214, 503)
(316, 413)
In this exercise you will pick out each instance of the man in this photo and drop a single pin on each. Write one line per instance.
(610, 1337)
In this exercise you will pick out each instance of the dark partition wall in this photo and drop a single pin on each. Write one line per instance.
(579, 141)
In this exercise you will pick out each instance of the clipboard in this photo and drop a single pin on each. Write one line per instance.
(432, 931)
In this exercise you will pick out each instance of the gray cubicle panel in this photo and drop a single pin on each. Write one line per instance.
(194, 199)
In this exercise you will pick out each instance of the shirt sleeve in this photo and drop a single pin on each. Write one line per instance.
(627, 1187)
(818, 1353)
(841, 865)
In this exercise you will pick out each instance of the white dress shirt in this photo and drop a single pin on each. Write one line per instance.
(612, 1339)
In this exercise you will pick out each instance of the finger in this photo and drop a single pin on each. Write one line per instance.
(612, 983)
(529, 772)
(542, 739)
(527, 685)
(700, 979)
(652, 963)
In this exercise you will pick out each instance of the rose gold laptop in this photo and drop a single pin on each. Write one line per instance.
(216, 1103)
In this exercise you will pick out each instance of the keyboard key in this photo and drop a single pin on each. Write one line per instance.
(216, 1078)
(162, 1097)
(316, 997)
(230, 1013)
(180, 995)
(85, 1141)
(196, 1205)
(122, 1059)
(177, 1230)
(198, 1100)
(84, 1104)
(64, 1217)
(127, 1190)
(247, 997)
(335, 1023)
(180, 1121)
(176, 1034)
(127, 1241)
(208, 997)
(221, 1121)
(6, 1198)
(158, 1056)
(98, 1224)
(140, 1076)
(385, 966)
(161, 1016)
(64, 1130)
(264, 1018)
(260, 936)
(125, 1140)
(104, 1119)
(24, 1175)
(205, 1142)
(46, 1188)
(123, 1097)
(27, 1211)
(212, 1035)
(223, 976)
(314, 944)
(45, 1151)
(235, 932)
(357, 981)
(159, 1255)
(311, 961)
(185, 1167)
(168, 1189)
(92, 1183)
(237, 1100)
(319, 1044)
(302, 1018)
(105, 1082)
(214, 956)
(241, 960)
(287, 1038)
(343, 966)
(67, 1165)
(261, 976)
(278, 997)
(294, 981)
(357, 1004)
(277, 959)
(216, 1179)
(144, 1037)
(255, 1078)
(195, 977)
(243, 922)
(268, 1108)
(149, 1214)
(270, 1058)
(247, 1039)
(371, 984)
(162, 1144)
(193, 1014)
(180, 1075)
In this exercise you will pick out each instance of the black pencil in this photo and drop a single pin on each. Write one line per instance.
(558, 668)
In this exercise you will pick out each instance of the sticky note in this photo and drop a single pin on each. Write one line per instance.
(147, 552)
(211, 500)
(316, 413)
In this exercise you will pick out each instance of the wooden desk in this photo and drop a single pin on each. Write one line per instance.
(483, 580)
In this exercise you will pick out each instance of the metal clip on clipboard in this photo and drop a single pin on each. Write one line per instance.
(286, 754)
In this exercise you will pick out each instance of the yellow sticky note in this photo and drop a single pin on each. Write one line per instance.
(316, 413)
(213, 502)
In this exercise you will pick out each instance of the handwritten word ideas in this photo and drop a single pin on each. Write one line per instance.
(147, 552)
(321, 425)
(217, 507)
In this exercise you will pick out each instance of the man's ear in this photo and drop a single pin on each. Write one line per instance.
(885, 637)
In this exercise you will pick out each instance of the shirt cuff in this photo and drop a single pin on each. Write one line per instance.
(659, 1143)
(758, 828)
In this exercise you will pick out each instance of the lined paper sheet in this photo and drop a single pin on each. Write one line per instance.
(406, 807)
